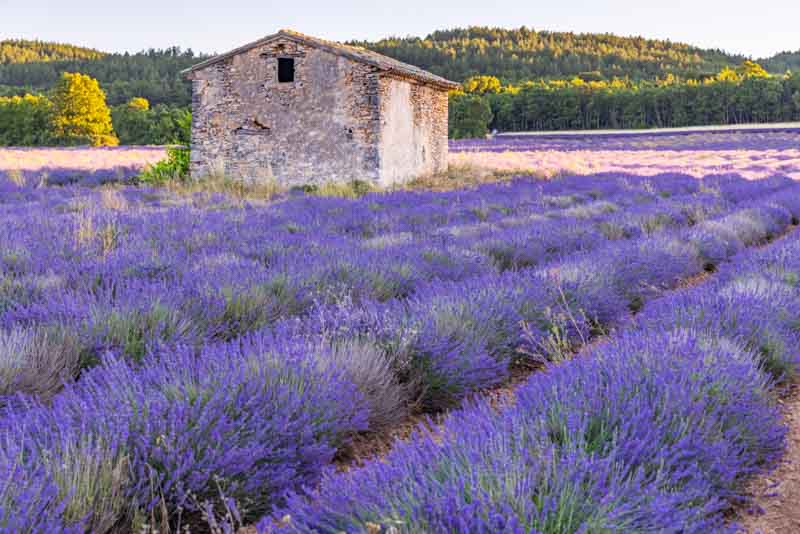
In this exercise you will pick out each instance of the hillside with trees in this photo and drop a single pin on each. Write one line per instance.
(514, 79)
(25, 51)
(511, 55)
(516, 55)
(152, 74)
(782, 62)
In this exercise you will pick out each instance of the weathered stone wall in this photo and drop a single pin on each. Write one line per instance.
(324, 126)
(413, 130)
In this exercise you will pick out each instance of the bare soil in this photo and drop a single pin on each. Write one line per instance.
(775, 508)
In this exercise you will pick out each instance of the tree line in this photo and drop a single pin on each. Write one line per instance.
(747, 94)
(75, 112)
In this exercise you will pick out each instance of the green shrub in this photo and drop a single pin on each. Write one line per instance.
(175, 168)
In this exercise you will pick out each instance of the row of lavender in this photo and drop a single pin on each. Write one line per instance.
(266, 412)
(654, 431)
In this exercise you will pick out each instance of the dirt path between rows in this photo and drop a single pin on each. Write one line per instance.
(776, 506)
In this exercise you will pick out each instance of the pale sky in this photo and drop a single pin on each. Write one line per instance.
(757, 29)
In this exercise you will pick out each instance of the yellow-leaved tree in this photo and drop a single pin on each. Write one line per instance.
(138, 103)
(751, 69)
(80, 113)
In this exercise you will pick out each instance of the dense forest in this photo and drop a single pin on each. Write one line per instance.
(512, 55)
(747, 94)
(785, 61)
(517, 55)
(514, 79)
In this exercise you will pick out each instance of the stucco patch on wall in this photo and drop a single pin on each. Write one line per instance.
(399, 157)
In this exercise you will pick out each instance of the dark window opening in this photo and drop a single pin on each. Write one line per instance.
(285, 69)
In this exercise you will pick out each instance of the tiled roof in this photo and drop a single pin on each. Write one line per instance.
(355, 53)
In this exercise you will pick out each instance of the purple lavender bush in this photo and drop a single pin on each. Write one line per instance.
(59, 477)
(255, 418)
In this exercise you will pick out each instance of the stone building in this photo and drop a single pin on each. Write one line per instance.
(304, 110)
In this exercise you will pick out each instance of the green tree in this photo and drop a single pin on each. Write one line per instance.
(137, 124)
(132, 122)
(25, 120)
(470, 116)
(80, 114)
(729, 97)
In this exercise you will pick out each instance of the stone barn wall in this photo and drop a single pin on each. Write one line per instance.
(324, 126)
(413, 130)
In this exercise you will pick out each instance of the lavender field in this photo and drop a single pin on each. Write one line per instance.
(751, 154)
(207, 362)
(87, 166)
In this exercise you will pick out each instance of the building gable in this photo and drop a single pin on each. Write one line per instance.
(361, 55)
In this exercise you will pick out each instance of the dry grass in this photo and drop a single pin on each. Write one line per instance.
(466, 174)
(85, 233)
(16, 177)
(456, 177)
(219, 183)
(112, 199)
(352, 189)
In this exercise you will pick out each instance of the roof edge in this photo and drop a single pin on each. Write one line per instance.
(443, 83)
(230, 53)
(334, 48)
